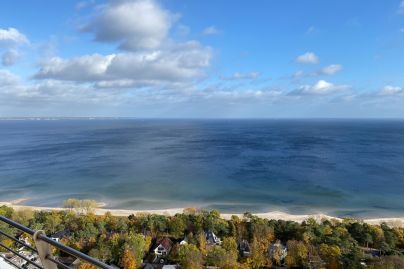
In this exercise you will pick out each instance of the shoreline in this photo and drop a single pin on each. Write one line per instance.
(276, 215)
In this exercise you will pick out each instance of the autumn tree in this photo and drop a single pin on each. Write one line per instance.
(138, 245)
(86, 265)
(201, 239)
(297, 253)
(190, 257)
(259, 254)
(220, 257)
(331, 254)
(128, 260)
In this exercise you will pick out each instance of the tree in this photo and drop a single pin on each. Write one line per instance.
(102, 252)
(258, 257)
(177, 226)
(202, 243)
(215, 223)
(389, 262)
(6, 211)
(138, 245)
(128, 260)
(229, 244)
(331, 254)
(190, 257)
(23, 216)
(86, 265)
(88, 206)
(71, 204)
(220, 257)
(52, 221)
(297, 253)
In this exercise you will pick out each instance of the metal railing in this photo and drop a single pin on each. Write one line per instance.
(43, 249)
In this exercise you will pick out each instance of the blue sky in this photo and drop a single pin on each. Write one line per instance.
(172, 58)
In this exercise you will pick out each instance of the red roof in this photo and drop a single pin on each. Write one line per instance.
(165, 242)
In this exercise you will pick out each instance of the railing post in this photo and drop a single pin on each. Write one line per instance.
(44, 251)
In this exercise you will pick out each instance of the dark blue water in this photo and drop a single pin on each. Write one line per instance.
(340, 167)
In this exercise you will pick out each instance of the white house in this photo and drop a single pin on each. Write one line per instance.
(163, 247)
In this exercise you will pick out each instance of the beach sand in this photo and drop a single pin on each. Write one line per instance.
(276, 215)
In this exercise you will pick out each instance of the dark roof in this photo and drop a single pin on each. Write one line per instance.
(165, 242)
(244, 246)
(211, 237)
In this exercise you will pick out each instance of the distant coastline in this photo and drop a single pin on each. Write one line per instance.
(276, 215)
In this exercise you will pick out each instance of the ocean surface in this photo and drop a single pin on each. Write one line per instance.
(339, 167)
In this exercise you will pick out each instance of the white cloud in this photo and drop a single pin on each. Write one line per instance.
(242, 76)
(211, 30)
(12, 36)
(11, 39)
(325, 71)
(330, 70)
(150, 57)
(391, 91)
(137, 24)
(307, 58)
(321, 87)
(10, 57)
(181, 63)
(84, 68)
(7, 78)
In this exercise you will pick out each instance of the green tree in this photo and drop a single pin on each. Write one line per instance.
(220, 257)
(177, 226)
(138, 245)
(190, 257)
(52, 221)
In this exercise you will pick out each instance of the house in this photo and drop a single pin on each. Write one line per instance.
(371, 252)
(60, 235)
(278, 250)
(25, 240)
(22, 262)
(244, 248)
(212, 239)
(163, 247)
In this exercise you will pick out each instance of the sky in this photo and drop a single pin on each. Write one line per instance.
(202, 59)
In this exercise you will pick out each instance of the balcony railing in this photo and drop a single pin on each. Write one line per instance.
(42, 249)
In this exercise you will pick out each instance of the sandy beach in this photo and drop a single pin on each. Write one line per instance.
(277, 215)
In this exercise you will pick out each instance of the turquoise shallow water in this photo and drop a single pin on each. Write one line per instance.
(341, 167)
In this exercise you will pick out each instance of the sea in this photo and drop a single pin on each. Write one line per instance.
(345, 168)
